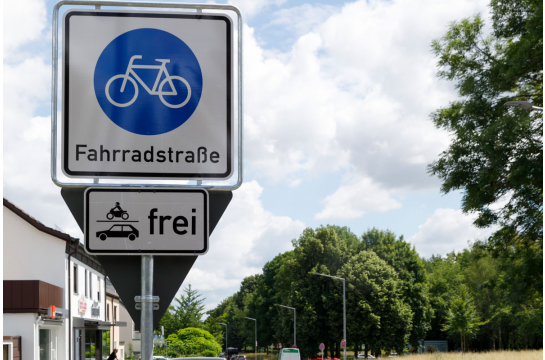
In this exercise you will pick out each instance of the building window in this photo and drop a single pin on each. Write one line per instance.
(107, 312)
(75, 279)
(86, 292)
(90, 285)
(45, 344)
(98, 287)
(115, 313)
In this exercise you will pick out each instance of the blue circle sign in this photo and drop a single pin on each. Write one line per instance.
(343, 343)
(148, 81)
(322, 346)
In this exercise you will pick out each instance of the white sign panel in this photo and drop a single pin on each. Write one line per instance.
(147, 95)
(146, 221)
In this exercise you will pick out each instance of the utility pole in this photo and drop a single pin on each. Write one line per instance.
(255, 348)
(344, 305)
(294, 323)
(227, 351)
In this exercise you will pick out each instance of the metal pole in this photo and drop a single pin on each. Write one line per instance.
(344, 304)
(295, 327)
(146, 316)
(256, 340)
(344, 319)
(294, 322)
(255, 349)
(227, 351)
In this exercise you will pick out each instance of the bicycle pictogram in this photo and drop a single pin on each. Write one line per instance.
(157, 88)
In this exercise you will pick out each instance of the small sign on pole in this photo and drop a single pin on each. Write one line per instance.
(142, 221)
(294, 346)
(322, 348)
(343, 343)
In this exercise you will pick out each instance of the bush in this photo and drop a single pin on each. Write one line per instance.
(193, 341)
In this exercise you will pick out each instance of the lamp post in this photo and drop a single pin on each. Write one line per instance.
(226, 349)
(294, 323)
(344, 306)
(255, 349)
(523, 105)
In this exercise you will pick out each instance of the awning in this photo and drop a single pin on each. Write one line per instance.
(98, 325)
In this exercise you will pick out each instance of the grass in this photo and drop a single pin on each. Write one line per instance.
(493, 355)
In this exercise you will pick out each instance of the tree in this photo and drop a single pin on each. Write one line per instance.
(376, 313)
(190, 308)
(444, 281)
(496, 155)
(411, 271)
(462, 318)
(193, 341)
(187, 313)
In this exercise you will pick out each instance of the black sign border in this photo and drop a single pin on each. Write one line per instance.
(148, 252)
(145, 175)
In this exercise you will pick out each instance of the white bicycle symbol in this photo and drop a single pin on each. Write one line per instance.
(157, 88)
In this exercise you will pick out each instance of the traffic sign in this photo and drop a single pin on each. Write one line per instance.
(343, 343)
(147, 95)
(272, 347)
(322, 346)
(125, 271)
(146, 221)
(294, 346)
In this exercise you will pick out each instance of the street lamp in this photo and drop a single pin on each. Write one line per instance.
(255, 349)
(344, 305)
(226, 349)
(523, 105)
(294, 323)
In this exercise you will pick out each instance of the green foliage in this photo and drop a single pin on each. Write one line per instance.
(187, 313)
(410, 268)
(193, 341)
(376, 312)
(106, 342)
(129, 355)
(462, 318)
(496, 155)
(496, 158)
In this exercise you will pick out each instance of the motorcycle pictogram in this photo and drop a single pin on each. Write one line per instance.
(117, 212)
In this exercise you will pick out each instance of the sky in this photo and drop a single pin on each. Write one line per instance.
(337, 129)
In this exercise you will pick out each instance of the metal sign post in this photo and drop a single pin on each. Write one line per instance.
(146, 317)
(117, 124)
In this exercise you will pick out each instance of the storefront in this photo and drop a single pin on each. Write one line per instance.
(88, 339)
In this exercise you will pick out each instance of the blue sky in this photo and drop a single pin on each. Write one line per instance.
(337, 130)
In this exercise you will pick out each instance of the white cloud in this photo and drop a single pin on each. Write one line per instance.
(355, 199)
(353, 93)
(445, 231)
(250, 8)
(24, 21)
(246, 237)
(302, 19)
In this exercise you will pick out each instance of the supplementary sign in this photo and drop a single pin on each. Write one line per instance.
(147, 95)
(146, 221)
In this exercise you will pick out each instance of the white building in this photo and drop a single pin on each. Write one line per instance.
(43, 267)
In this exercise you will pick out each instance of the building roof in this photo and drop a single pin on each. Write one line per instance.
(73, 247)
(38, 225)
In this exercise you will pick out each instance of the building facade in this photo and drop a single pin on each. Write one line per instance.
(113, 315)
(44, 267)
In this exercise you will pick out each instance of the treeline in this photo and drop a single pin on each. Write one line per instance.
(393, 297)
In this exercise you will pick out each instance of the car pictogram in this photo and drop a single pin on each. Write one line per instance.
(119, 231)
